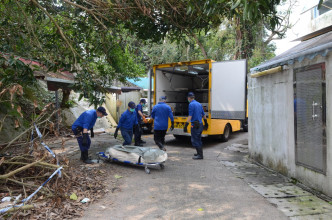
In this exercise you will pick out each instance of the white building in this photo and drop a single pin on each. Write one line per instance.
(290, 106)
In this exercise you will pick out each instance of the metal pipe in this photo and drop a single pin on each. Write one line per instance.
(57, 109)
(267, 72)
(149, 91)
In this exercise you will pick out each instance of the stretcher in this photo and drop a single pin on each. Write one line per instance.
(138, 156)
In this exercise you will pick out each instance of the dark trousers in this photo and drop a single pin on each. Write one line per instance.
(127, 135)
(159, 138)
(196, 138)
(138, 134)
(79, 138)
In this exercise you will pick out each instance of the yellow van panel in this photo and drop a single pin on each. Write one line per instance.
(216, 126)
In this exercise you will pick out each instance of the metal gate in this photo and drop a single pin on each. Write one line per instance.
(310, 117)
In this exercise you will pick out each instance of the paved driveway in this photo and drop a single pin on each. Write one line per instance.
(186, 189)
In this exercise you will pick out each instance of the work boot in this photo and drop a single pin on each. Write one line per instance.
(86, 158)
(199, 155)
(196, 153)
(81, 158)
(161, 146)
(143, 142)
(139, 144)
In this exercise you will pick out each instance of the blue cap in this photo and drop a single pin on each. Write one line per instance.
(102, 110)
(162, 98)
(191, 94)
(131, 104)
(143, 101)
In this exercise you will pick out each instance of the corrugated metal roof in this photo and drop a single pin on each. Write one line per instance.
(320, 45)
(40, 70)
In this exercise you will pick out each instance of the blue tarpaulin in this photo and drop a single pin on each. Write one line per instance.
(142, 82)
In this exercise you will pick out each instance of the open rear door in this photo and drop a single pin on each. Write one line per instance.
(228, 90)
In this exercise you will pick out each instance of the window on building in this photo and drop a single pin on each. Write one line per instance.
(326, 7)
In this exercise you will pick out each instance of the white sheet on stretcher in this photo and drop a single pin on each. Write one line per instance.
(133, 154)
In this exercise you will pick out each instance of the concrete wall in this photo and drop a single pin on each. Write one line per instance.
(271, 124)
(125, 98)
(110, 103)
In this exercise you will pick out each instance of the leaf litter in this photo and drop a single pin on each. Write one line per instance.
(61, 197)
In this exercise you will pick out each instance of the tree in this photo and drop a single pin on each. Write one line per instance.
(99, 40)
(68, 38)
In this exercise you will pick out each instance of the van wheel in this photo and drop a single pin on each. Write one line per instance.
(245, 128)
(227, 133)
(179, 137)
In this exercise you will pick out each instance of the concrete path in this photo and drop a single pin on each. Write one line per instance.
(186, 189)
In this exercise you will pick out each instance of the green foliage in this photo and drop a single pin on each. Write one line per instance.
(70, 104)
(221, 44)
(12, 70)
(106, 41)
(97, 55)
(261, 54)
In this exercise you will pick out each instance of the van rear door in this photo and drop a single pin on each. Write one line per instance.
(228, 90)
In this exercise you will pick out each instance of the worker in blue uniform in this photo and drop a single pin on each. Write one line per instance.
(82, 125)
(126, 124)
(141, 119)
(196, 113)
(160, 113)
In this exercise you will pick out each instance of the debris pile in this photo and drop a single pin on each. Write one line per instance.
(21, 175)
(36, 183)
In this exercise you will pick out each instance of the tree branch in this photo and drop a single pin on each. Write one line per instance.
(5, 176)
(58, 27)
(90, 12)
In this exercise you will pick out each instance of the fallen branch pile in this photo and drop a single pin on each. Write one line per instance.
(21, 175)
(26, 165)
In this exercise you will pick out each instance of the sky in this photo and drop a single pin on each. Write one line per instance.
(292, 34)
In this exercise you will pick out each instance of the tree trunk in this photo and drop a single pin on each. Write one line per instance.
(238, 41)
(188, 50)
(65, 97)
(199, 44)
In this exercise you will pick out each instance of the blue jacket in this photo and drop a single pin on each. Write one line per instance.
(160, 113)
(139, 107)
(128, 120)
(86, 120)
(196, 111)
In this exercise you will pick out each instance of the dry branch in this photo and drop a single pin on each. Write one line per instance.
(43, 190)
(39, 164)
(5, 176)
(26, 131)
(25, 207)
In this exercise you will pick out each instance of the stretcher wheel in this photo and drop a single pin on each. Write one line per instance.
(147, 170)
(162, 166)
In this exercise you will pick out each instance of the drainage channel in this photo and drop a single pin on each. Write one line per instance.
(294, 201)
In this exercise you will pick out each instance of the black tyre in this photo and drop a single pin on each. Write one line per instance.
(245, 128)
(245, 125)
(179, 137)
(227, 133)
